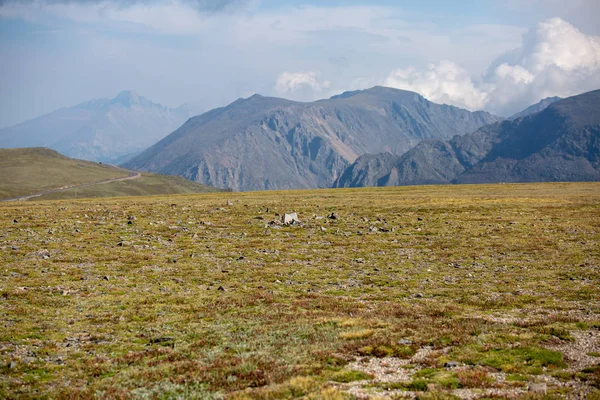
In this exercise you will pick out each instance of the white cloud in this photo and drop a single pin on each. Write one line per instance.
(554, 59)
(445, 82)
(296, 81)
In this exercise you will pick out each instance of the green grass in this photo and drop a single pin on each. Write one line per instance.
(146, 185)
(33, 170)
(36, 170)
(195, 298)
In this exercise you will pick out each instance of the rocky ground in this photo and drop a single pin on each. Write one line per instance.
(423, 292)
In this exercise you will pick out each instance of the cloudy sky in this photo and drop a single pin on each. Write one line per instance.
(500, 56)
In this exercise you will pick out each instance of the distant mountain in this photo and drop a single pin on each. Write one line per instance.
(271, 143)
(99, 130)
(560, 143)
(537, 107)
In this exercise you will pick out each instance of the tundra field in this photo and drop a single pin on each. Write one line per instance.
(487, 291)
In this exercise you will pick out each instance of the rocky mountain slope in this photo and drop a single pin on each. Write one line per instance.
(99, 130)
(560, 143)
(271, 143)
(537, 107)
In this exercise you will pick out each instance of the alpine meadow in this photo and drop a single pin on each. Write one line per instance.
(276, 200)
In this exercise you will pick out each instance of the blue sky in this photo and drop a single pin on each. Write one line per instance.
(495, 55)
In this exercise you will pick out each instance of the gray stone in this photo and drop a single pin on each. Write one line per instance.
(451, 364)
(538, 387)
(290, 219)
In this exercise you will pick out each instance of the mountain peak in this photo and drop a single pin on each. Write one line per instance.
(127, 98)
(380, 91)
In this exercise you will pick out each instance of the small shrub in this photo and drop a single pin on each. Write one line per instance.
(474, 378)
(346, 376)
(362, 334)
(418, 385)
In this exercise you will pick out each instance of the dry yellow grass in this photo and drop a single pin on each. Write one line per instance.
(187, 296)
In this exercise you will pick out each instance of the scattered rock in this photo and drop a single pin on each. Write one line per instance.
(451, 364)
(15, 221)
(106, 277)
(229, 203)
(12, 365)
(290, 219)
(333, 215)
(162, 340)
(538, 388)
(323, 229)
(405, 341)
(45, 254)
(419, 219)
(131, 218)
(373, 229)
(29, 360)
(221, 288)
(419, 295)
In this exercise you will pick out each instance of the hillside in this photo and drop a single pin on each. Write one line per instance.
(99, 130)
(271, 143)
(560, 143)
(146, 185)
(30, 171)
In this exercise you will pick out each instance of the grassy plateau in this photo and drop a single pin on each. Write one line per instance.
(477, 291)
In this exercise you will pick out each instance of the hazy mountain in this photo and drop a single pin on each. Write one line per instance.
(100, 130)
(271, 143)
(560, 143)
(537, 107)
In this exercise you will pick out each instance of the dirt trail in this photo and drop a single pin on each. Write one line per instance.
(132, 175)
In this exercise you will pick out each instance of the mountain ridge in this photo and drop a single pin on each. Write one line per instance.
(271, 143)
(561, 142)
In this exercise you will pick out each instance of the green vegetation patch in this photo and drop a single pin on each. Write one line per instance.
(526, 359)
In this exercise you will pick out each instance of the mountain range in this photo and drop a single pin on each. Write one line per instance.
(559, 143)
(373, 137)
(271, 143)
(99, 130)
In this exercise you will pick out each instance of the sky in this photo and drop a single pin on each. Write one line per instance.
(499, 56)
